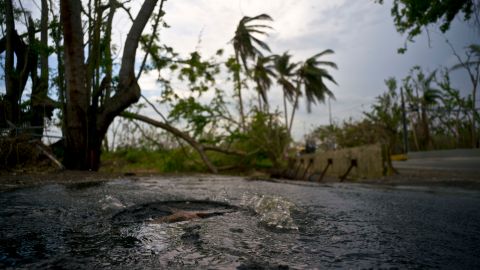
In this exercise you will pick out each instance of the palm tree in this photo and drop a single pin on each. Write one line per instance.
(244, 45)
(285, 72)
(244, 41)
(311, 77)
(429, 98)
(425, 96)
(262, 75)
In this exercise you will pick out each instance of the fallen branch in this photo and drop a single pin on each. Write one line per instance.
(176, 132)
(40, 146)
(51, 157)
(224, 151)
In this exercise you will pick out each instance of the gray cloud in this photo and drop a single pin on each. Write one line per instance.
(360, 32)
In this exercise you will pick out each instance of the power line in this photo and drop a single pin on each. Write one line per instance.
(353, 107)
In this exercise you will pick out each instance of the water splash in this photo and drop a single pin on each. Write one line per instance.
(151, 238)
(111, 203)
(274, 211)
(220, 196)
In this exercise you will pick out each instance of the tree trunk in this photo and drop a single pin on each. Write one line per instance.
(86, 124)
(40, 90)
(414, 135)
(285, 110)
(128, 90)
(76, 131)
(11, 103)
(37, 113)
(60, 79)
(295, 105)
(475, 143)
(428, 143)
(15, 77)
(259, 100)
(148, 47)
(240, 100)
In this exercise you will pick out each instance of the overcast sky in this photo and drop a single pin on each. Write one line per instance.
(360, 32)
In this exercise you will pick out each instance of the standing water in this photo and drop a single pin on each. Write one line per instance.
(229, 222)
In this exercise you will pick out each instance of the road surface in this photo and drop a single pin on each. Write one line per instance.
(467, 161)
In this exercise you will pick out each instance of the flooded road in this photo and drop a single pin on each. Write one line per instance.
(132, 224)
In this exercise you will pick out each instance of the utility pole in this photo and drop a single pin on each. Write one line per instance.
(404, 120)
(329, 112)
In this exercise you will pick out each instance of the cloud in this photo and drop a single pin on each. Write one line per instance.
(361, 33)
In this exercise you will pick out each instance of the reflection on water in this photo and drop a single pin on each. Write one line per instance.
(261, 225)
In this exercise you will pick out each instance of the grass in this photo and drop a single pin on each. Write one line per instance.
(176, 161)
(142, 160)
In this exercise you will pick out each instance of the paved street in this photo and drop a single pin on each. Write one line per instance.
(269, 225)
(447, 160)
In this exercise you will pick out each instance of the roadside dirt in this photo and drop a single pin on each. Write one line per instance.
(19, 178)
(25, 178)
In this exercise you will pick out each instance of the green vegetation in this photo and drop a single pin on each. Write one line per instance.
(209, 113)
(147, 160)
(143, 149)
(181, 160)
(437, 117)
(413, 16)
(208, 126)
(195, 104)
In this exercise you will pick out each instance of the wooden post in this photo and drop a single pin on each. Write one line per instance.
(353, 163)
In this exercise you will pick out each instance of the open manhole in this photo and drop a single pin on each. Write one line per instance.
(171, 211)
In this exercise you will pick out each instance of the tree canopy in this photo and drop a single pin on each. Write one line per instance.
(410, 16)
(97, 82)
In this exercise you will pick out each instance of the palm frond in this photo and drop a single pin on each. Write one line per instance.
(262, 75)
(313, 77)
(327, 51)
(326, 63)
(262, 16)
(257, 31)
(244, 41)
(262, 44)
(253, 26)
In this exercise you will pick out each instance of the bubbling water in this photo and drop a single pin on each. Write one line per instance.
(274, 211)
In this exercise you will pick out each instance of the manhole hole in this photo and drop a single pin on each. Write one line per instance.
(171, 211)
